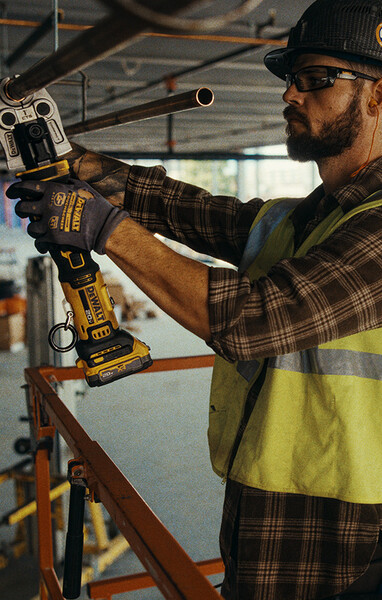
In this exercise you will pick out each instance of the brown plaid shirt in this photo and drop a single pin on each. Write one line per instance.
(332, 292)
(280, 546)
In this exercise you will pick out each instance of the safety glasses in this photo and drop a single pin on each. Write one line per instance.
(318, 77)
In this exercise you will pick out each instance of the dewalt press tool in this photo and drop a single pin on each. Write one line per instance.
(33, 138)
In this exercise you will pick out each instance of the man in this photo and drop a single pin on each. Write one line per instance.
(296, 399)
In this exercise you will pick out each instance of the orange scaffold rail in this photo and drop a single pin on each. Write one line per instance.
(167, 564)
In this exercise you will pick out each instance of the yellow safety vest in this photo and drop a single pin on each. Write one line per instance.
(316, 428)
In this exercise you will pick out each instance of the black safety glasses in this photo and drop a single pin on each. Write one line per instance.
(319, 77)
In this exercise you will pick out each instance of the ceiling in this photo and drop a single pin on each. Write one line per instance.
(247, 110)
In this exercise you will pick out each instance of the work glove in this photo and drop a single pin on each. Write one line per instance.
(66, 214)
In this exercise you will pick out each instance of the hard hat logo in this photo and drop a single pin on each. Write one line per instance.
(379, 34)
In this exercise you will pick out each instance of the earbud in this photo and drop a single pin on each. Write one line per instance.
(372, 102)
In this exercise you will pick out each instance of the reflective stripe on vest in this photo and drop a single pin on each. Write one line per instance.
(329, 361)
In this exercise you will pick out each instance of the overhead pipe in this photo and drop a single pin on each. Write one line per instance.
(44, 28)
(196, 98)
(195, 69)
(208, 37)
(164, 21)
(171, 87)
(110, 35)
(26, 23)
(57, 18)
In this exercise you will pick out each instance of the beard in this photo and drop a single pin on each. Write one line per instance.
(336, 135)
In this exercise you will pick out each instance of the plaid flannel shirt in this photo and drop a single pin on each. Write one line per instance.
(333, 291)
(274, 545)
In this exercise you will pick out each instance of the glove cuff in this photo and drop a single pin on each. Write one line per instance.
(113, 220)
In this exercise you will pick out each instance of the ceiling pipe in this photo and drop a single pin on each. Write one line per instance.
(110, 35)
(201, 97)
(208, 37)
(44, 28)
(202, 66)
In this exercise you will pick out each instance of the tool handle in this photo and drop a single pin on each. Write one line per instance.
(75, 266)
(74, 543)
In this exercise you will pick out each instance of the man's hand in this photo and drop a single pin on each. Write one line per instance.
(71, 214)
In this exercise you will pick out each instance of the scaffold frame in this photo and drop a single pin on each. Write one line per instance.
(167, 564)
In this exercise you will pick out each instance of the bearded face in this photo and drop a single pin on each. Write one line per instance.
(336, 134)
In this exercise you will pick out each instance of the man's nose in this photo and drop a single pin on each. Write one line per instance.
(293, 96)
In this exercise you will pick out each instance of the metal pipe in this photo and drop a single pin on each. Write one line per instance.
(170, 134)
(194, 99)
(106, 37)
(200, 67)
(24, 23)
(226, 39)
(57, 15)
(85, 85)
(36, 35)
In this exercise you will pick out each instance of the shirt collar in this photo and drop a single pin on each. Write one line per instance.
(368, 181)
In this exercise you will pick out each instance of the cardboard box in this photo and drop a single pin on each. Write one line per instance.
(12, 331)
(116, 292)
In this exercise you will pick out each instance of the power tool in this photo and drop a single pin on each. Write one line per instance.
(32, 137)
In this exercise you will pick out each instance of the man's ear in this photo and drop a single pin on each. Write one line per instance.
(376, 96)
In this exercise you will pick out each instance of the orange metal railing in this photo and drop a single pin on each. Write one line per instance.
(167, 564)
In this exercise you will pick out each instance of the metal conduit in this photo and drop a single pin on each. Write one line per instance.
(108, 36)
(204, 65)
(208, 37)
(194, 99)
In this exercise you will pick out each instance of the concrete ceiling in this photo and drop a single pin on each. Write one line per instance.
(247, 111)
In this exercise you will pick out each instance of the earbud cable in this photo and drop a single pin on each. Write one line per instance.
(371, 149)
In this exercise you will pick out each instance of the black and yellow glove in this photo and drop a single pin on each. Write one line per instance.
(67, 214)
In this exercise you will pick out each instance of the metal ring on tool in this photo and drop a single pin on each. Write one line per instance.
(53, 332)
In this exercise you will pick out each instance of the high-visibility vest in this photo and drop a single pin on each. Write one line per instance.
(316, 427)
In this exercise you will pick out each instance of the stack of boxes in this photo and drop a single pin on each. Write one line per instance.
(12, 317)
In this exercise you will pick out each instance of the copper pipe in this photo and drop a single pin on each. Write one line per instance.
(225, 39)
(23, 23)
(194, 99)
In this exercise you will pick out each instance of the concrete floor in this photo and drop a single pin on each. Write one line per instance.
(154, 428)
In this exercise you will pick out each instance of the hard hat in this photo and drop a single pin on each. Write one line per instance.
(348, 29)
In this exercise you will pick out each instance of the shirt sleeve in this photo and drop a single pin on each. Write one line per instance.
(213, 225)
(332, 292)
